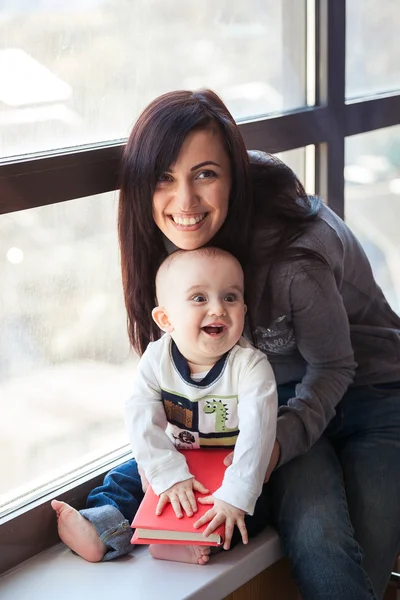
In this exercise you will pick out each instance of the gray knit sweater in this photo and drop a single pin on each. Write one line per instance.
(332, 327)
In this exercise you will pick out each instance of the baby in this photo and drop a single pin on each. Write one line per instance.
(202, 360)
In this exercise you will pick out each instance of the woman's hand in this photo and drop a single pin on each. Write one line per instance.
(222, 512)
(181, 496)
(273, 461)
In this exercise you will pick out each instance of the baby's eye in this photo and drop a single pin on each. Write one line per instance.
(230, 298)
(199, 298)
(207, 174)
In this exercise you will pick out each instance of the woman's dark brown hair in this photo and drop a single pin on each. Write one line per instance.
(266, 186)
(152, 148)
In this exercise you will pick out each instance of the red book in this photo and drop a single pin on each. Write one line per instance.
(208, 467)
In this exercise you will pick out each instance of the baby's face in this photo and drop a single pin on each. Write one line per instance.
(205, 306)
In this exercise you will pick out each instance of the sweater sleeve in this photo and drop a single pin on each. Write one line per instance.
(146, 424)
(322, 332)
(257, 412)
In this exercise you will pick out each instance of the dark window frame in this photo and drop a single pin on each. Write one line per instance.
(49, 178)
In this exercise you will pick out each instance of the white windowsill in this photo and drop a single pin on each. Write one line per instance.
(57, 573)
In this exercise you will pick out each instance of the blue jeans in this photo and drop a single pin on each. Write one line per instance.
(337, 508)
(112, 506)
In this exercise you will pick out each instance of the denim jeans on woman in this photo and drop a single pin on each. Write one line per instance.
(336, 508)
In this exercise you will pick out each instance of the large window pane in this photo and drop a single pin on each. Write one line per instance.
(65, 365)
(80, 71)
(372, 47)
(296, 160)
(372, 203)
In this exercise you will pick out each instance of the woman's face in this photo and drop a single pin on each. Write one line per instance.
(190, 202)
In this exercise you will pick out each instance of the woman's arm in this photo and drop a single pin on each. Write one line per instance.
(322, 332)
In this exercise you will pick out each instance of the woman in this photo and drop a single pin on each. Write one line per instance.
(331, 337)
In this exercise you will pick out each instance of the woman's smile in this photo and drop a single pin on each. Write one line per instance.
(184, 222)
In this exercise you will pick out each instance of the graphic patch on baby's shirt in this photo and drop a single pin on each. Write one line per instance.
(207, 421)
(219, 414)
(182, 439)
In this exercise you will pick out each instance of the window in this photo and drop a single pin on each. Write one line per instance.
(373, 55)
(65, 363)
(73, 77)
(372, 176)
(81, 72)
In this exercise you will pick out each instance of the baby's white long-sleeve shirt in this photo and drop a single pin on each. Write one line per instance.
(233, 405)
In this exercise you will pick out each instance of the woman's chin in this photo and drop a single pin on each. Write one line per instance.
(190, 239)
(186, 241)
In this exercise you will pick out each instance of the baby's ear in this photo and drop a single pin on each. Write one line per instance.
(161, 318)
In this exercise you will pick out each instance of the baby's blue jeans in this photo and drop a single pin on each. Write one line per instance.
(337, 508)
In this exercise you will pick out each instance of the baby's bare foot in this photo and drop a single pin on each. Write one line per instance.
(197, 555)
(78, 533)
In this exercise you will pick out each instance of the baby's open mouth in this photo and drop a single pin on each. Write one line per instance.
(213, 329)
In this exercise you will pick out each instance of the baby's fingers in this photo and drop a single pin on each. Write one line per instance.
(176, 505)
(229, 527)
(216, 522)
(188, 502)
(243, 531)
(210, 514)
(206, 500)
(162, 502)
(199, 487)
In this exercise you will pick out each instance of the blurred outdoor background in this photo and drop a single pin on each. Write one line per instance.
(80, 72)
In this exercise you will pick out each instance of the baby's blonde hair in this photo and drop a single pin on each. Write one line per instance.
(206, 251)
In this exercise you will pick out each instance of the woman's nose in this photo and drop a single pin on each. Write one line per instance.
(186, 198)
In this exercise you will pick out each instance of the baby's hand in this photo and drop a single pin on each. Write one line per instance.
(222, 512)
(181, 495)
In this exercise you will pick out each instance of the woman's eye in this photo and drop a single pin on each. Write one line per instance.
(199, 298)
(164, 177)
(207, 174)
(230, 298)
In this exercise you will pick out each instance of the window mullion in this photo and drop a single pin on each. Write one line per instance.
(330, 56)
